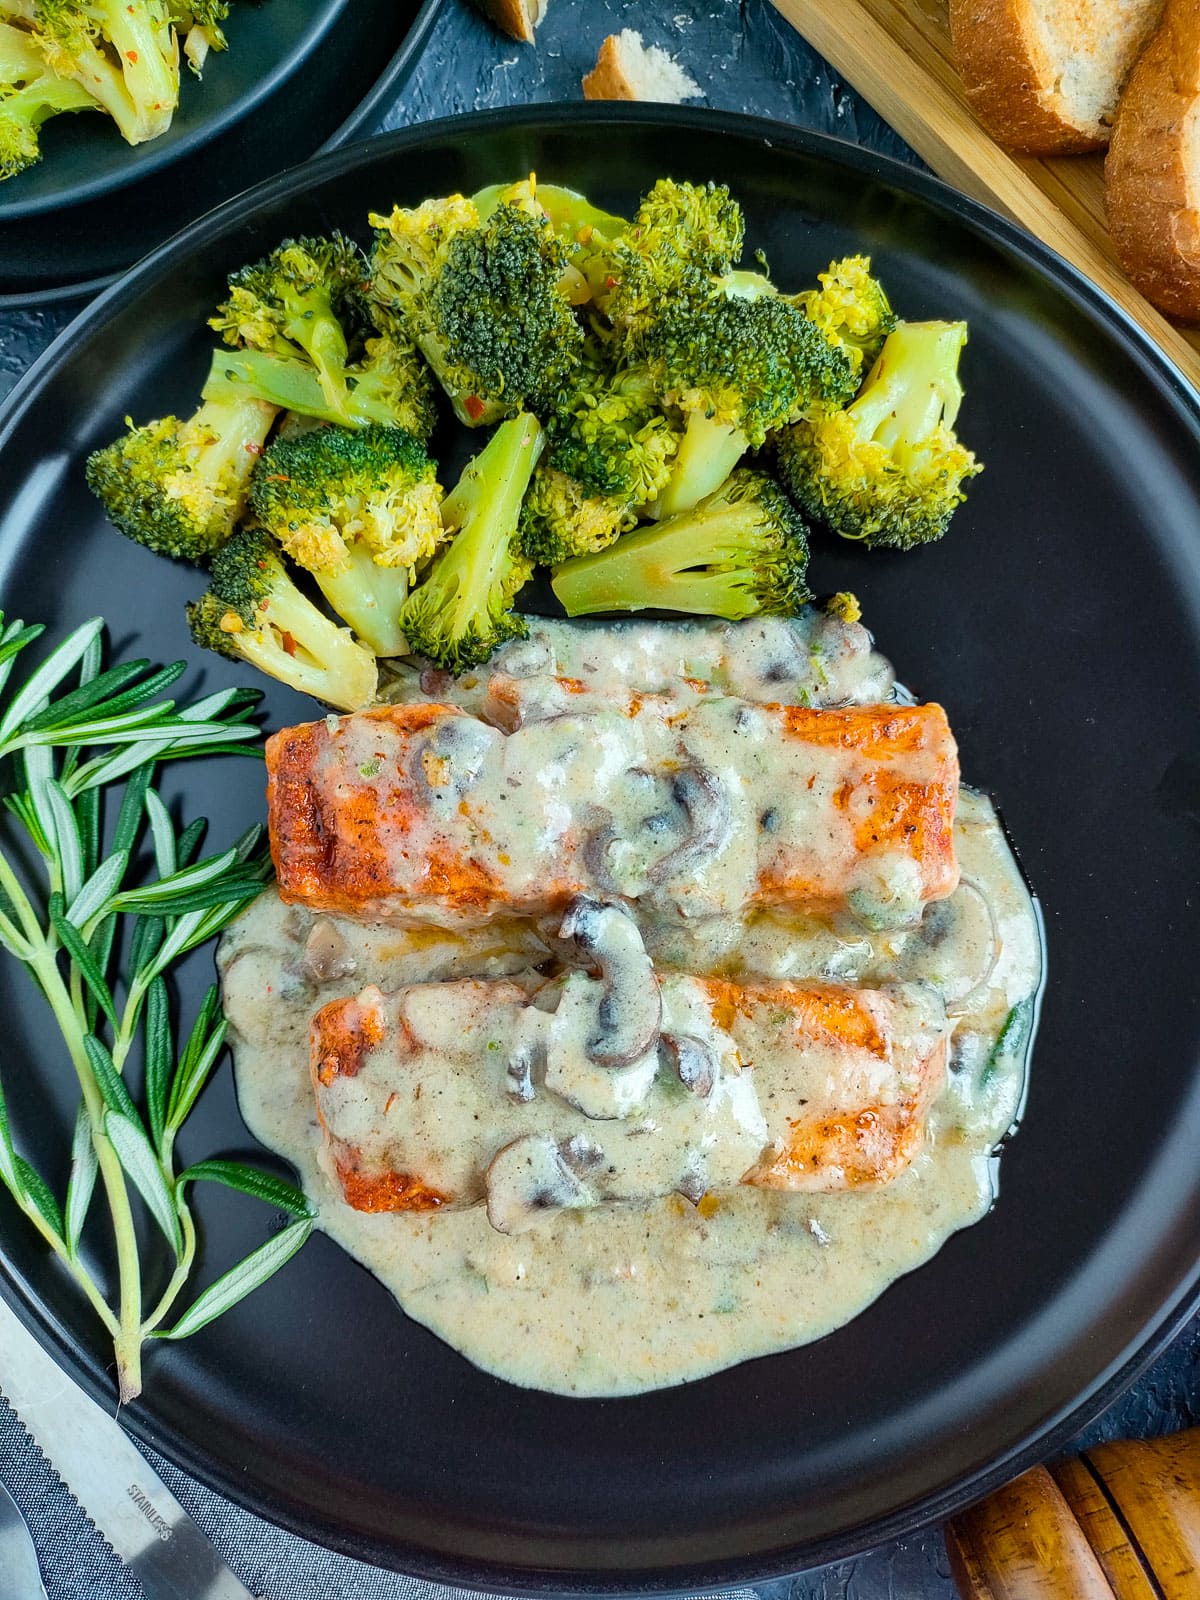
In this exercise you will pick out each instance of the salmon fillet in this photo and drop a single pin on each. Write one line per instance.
(423, 1094)
(424, 811)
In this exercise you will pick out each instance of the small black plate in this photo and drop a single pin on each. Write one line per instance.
(299, 76)
(1060, 625)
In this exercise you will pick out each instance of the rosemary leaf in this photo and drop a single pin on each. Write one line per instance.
(49, 675)
(158, 1058)
(108, 1080)
(8, 1156)
(82, 1182)
(81, 955)
(67, 844)
(136, 1154)
(98, 890)
(250, 1180)
(38, 1191)
(239, 1281)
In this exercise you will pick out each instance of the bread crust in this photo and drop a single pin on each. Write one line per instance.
(1151, 193)
(1009, 78)
(517, 18)
(607, 80)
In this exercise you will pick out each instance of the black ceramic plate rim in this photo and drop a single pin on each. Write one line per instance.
(379, 95)
(1063, 1420)
(158, 153)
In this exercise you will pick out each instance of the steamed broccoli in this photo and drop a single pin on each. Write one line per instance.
(851, 309)
(179, 487)
(253, 612)
(560, 518)
(737, 369)
(121, 51)
(608, 430)
(29, 95)
(199, 22)
(889, 469)
(462, 609)
(359, 509)
(683, 238)
(485, 301)
(388, 384)
(304, 301)
(584, 230)
(741, 551)
(303, 342)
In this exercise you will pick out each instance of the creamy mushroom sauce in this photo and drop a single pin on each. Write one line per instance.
(633, 1296)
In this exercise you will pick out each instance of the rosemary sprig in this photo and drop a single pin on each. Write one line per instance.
(72, 735)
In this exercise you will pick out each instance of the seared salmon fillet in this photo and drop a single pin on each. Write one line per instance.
(448, 1094)
(710, 807)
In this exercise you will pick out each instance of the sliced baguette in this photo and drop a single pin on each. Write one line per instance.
(516, 18)
(1044, 76)
(628, 69)
(1152, 174)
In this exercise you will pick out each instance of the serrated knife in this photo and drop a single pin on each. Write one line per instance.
(118, 1489)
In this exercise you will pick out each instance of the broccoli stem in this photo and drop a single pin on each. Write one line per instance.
(670, 567)
(92, 70)
(484, 506)
(149, 55)
(291, 386)
(24, 112)
(237, 429)
(913, 386)
(460, 610)
(368, 597)
(707, 454)
(300, 647)
(20, 61)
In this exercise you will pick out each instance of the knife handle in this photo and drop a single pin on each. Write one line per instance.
(1120, 1522)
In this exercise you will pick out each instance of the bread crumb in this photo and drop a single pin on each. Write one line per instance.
(629, 69)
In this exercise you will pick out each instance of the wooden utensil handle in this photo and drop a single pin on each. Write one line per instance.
(1122, 1522)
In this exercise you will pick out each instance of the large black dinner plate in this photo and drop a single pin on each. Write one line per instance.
(1060, 625)
(299, 76)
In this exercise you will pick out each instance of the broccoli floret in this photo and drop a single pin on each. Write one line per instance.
(485, 302)
(889, 469)
(608, 431)
(29, 95)
(254, 612)
(683, 237)
(737, 369)
(179, 487)
(560, 518)
(586, 233)
(389, 385)
(121, 51)
(303, 301)
(358, 508)
(462, 609)
(199, 24)
(741, 551)
(852, 309)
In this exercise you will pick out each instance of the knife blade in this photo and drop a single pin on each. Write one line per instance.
(118, 1489)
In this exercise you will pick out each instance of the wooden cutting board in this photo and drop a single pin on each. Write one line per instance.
(898, 55)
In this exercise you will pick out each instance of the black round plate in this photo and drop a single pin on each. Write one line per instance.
(299, 76)
(1059, 623)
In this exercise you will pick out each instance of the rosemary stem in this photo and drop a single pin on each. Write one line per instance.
(95, 1299)
(178, 1277)
(129, 1314)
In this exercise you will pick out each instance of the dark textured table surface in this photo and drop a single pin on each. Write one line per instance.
(745, 58)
